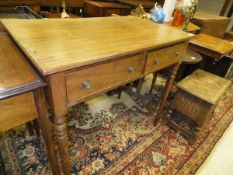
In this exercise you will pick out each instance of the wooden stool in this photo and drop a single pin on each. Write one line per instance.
(196, 98)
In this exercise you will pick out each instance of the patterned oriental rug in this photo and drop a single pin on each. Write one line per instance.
(117, 136)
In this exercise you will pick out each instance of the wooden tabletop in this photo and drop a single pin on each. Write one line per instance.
(192, 28)
(207, 86)
(58, 45)
(218, 45)
(105, 4)
(16, 74)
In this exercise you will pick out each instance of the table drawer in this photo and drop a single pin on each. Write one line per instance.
(17, 110)
(162, 58)
(99, 78)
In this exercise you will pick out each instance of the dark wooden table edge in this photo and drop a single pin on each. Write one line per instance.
(9, 92)
(193, 43)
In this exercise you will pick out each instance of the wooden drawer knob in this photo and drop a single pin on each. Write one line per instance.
(131, 69)
(86, 84)
(156, 61)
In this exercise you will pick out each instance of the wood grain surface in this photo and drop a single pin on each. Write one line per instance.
(192, 28)
(211, 46)
(19, 2)
(103, 77)
(59, 45)
(157, 60)
(204, 85)
(15, 71)
(16, 111)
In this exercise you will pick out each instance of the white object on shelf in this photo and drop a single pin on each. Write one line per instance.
(169, 7)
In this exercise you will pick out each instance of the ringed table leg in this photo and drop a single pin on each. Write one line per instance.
(46, 129)
(166, 91)
(62, 141)
(57, 97)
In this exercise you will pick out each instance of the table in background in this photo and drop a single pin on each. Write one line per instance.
(146, 4)
(104, 8)
(22, 96)
(215, 51)
(32, 4)
(210, 46)
(20, 12)
(95, 55)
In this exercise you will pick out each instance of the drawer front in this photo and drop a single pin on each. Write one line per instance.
(164, 57)
(17, 110)
(99, 78)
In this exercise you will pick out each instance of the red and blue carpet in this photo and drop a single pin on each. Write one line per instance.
(118, 137)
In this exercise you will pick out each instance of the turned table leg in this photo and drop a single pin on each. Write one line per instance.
(46, 129)
(58, 101)
(166, 91)
(62, 141)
